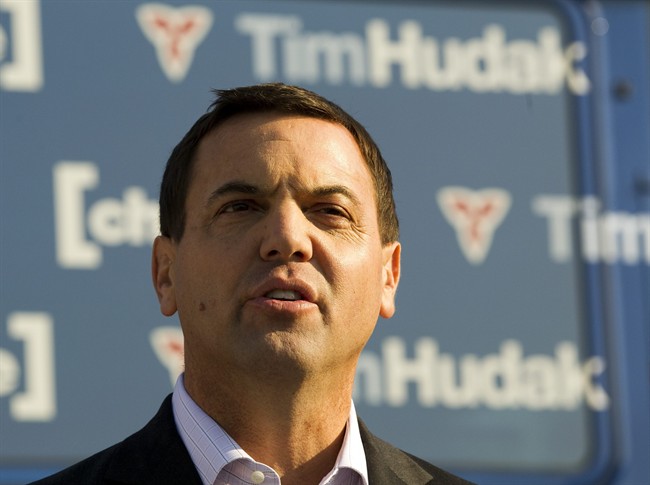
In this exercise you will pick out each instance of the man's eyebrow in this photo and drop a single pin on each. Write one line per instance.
(240, 187)
(328, 190)
(234, 187)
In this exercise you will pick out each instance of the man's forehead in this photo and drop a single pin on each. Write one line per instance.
(242, 156)
(255, 133)
(264, 126)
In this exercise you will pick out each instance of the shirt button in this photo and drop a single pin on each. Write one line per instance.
(257, 477)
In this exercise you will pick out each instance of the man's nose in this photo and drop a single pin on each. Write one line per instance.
(287, 235)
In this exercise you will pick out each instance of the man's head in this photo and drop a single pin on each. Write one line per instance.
(269, 98)
(277, 262)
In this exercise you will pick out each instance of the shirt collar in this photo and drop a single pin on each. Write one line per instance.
(211, 448)
(352, 454)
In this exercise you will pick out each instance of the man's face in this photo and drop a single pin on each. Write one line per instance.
(281, 261)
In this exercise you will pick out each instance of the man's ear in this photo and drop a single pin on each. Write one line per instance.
(392, 253)
(162, 274)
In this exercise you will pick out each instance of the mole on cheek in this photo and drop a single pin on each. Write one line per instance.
(201, 306)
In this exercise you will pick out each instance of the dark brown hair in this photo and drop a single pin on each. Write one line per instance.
(274, 97)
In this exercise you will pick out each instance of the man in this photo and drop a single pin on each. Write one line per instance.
(279, 251)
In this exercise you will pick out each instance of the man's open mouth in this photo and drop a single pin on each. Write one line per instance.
(286, 295)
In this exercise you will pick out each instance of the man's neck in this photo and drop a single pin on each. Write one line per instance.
(295, 428)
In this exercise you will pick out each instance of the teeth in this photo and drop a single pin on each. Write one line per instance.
(284, 295)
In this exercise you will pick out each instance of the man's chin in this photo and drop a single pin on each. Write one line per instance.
(284, 353)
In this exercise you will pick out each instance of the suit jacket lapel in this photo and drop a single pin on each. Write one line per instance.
(388, 465)
(155, 454)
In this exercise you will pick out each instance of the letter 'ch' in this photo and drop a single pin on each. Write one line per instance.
(175, 33)
(475, 215)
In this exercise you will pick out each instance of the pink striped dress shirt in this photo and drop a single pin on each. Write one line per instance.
(221, 461)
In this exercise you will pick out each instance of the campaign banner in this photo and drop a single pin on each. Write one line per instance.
(492, 362)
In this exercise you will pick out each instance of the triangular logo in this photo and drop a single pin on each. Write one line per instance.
(175, 33)
(475, 215)
(169, 346)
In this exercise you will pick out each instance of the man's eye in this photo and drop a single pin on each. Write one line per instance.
(235, 206)
(332, 210)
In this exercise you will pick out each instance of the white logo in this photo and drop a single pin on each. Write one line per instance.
(607, 236)
(487, 63)
(175, 33)
(22, 69)
(506, 379)
(37, 402)
(132, 220)
(169, 346)
(475, 215)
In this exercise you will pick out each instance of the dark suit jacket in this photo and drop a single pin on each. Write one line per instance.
(156, 455)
